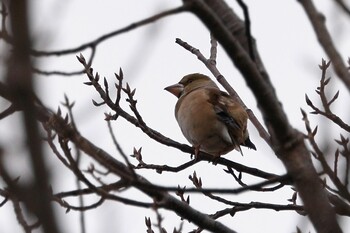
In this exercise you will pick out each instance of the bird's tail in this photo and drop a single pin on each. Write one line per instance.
(239, 149)
(249, 144)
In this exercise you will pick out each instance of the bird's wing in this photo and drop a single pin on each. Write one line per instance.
(231, 114)
(238, 119)
(229, 111)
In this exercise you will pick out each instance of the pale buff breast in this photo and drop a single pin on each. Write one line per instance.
(200, 126)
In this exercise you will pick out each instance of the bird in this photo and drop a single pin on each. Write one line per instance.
(210, 119)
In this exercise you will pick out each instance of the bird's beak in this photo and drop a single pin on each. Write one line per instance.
(175, 89)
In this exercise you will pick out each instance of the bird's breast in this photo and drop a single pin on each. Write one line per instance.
(199, 124)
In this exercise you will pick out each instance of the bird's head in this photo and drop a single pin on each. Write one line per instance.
(189, 83)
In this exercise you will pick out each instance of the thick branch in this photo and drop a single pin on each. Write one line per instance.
(287, 142)
(64, 130)
(118, 168)
(258, 81)
(20, 85)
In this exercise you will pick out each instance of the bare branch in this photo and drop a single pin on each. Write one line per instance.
(7, 112)
(321, 91)
(96, 42)
(20, 217)
(138, 122)
(287, 142)
(211, 65)
(321, 157)
(69, 106)
(343, 6)
(118, 147)
(318, 22)
(162, 168)
(242, 206)
(20, 83)
(247, 28)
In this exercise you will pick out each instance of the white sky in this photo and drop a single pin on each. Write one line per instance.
(151, 61)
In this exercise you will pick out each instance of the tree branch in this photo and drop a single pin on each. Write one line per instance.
(318, 23)
(20, 85)
(287, 142)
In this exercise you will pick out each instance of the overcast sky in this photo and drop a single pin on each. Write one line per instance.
(151, 61)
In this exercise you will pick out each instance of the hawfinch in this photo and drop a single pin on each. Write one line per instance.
(209, 119)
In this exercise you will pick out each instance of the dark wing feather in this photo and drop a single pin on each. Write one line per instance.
(226, 118)
(233, 116)
(221, 103)
(249, 144)
(231, 125)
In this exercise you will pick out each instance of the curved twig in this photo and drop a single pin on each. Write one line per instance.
(211, 65)
(318, 22)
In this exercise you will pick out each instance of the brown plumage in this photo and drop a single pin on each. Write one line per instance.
(209, 119)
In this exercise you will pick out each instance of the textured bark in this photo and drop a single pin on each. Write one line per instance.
(36, 194)
(287, 142)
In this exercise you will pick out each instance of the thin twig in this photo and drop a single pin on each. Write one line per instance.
(343, 6)
(97, 41)
(94, 43)
(247, 28)
(213, 69)
(166, 201)
(50, 137)
(167, 168)
(325, 102)
(321, 157)
(20, 217)
(259, 187)
(69, 106)
(8, 111)
(117, 145)
(318, 22)
(138, 122)
(198, 184)
(116, 186)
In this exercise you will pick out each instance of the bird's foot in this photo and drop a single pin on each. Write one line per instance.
(215, 160)
(196, 153)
